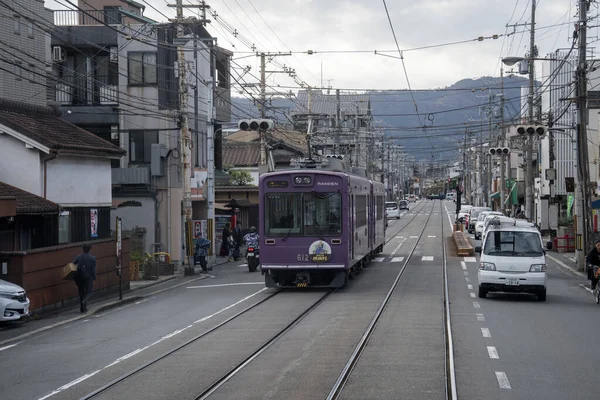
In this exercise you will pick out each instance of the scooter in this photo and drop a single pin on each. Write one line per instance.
(252, 257)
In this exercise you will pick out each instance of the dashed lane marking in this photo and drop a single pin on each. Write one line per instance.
(463, 265)
(470, 259)
(480, 317)
(476, 304)
(472, 295)
(414, 237)
(431, 236)
(492, 352)
(502, 380)
(427, 258)
(485, 332)
(376, 259)
(470, 287)
(467, 279)
(397, 259)
(465, 273)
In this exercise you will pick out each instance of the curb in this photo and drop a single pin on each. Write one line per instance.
(114, 305)
(153, 283)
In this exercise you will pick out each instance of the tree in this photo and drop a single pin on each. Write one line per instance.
(240, 177)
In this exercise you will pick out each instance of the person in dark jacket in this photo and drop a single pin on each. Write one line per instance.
(225, 243)
(593, 259)
(85, 276)
(238, 236)
(201, 251)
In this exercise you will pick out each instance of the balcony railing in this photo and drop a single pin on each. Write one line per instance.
(87, 17)
(86, 90)
(131, 176)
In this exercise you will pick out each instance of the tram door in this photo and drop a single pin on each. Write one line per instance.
(352, 212)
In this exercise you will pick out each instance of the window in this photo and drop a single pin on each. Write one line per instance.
(17, 24)
(142, 69)
(18, 70)
(140, 145)
(380, 202)
(515, 244)
(30, 29)
(64, 227)
(360, 206)
(303, 214)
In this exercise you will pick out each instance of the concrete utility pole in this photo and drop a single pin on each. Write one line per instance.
(583, 192)
(309, 127)
(503, 142)
(529, 140)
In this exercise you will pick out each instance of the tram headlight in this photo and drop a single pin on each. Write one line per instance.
(298, 179)
(306, 179)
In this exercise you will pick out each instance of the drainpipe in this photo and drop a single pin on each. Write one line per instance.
(52, 157)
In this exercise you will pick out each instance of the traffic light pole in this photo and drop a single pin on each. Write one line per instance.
(529, 140)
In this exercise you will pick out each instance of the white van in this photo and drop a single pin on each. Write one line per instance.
(450, 195)
(512, 259)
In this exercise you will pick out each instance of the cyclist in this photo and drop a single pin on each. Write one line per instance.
(593, 259)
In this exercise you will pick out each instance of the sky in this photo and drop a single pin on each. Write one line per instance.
(362, 25)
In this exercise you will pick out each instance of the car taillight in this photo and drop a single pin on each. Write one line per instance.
(250, 248)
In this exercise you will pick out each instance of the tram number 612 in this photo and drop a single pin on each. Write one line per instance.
(302, 257)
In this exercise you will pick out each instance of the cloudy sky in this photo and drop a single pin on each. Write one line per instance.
(347, 26)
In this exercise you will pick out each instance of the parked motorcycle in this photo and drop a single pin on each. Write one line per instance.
(252, 258)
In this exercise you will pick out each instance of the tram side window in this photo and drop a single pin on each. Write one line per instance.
(380, 203)
(360, 204)
(283, 213)
(322, 214)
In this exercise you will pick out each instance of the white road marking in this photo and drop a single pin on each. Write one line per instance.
(467, 279)
(137, 351)
(242, 265)
(98, 316)
(492, 352)
(376, 259)
(85, 320)
(472, 295)
(465, 273)
(225, 284)
(397, 259)
(399, 237)
(8, 347)
(470, 259)
(396, 249)
(566, 267)
(463, 265)
(470, 287)
(485, 332)
(141, 301)
(586, 288)
(431, 236)
(427, 258)
(476, 304)
(414, 237)
(480, 317)
(502, 380)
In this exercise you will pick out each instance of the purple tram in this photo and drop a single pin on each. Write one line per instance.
(317, 227)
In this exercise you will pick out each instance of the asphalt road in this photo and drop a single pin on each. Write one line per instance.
(512, 346)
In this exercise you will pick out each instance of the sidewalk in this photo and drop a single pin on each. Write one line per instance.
(138, 291)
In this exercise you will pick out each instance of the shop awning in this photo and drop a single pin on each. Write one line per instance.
(496, 195)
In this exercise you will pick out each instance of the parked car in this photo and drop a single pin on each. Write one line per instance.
(479, 224)
(403, 205)
(473, 214)
(412, 198)
(392, 210)
(14, 304)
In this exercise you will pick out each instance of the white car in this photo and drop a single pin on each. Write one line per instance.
(479, 225)
(512, 260)
(392, 210)
(14, 303)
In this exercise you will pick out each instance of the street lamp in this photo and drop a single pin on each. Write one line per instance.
(510, 61)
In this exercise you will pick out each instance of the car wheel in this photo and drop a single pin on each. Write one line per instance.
(482, 293)
(541, 295)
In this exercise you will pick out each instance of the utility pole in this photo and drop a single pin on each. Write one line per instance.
(529, 140)
(583, 190)
(503, 140)
(309, 127)
(338, 123)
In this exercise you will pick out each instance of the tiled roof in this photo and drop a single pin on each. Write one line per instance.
(326, 104)
(241, 154)
(44, 125)
(28, 203)
(292, 139)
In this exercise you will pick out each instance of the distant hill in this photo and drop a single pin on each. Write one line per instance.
(447, 113)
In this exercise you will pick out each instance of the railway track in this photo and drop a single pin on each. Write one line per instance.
(340, 383)
(248, 359)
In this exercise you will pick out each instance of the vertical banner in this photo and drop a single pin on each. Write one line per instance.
(94, 222)
(119, 256)
(570, 200)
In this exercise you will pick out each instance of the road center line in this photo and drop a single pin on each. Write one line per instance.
(472, 295)
(480, 317)
(485, 332)
(396, 249)
(470, 287)
(492, 352)
(476, 304)
(463, 265)
(502, 380)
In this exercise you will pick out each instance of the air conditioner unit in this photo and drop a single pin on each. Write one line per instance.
(114, 54)
(58, 54)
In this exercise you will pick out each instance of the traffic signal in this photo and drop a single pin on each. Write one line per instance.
(499, 151)
(538, 130)
(256, 124)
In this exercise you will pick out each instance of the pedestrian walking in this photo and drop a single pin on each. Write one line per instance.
(85, 276)
(238, 236)
(226, 244)
(201, 251)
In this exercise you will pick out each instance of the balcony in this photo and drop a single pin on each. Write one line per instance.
(87, 17)
(85, 90)
(131, 176)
